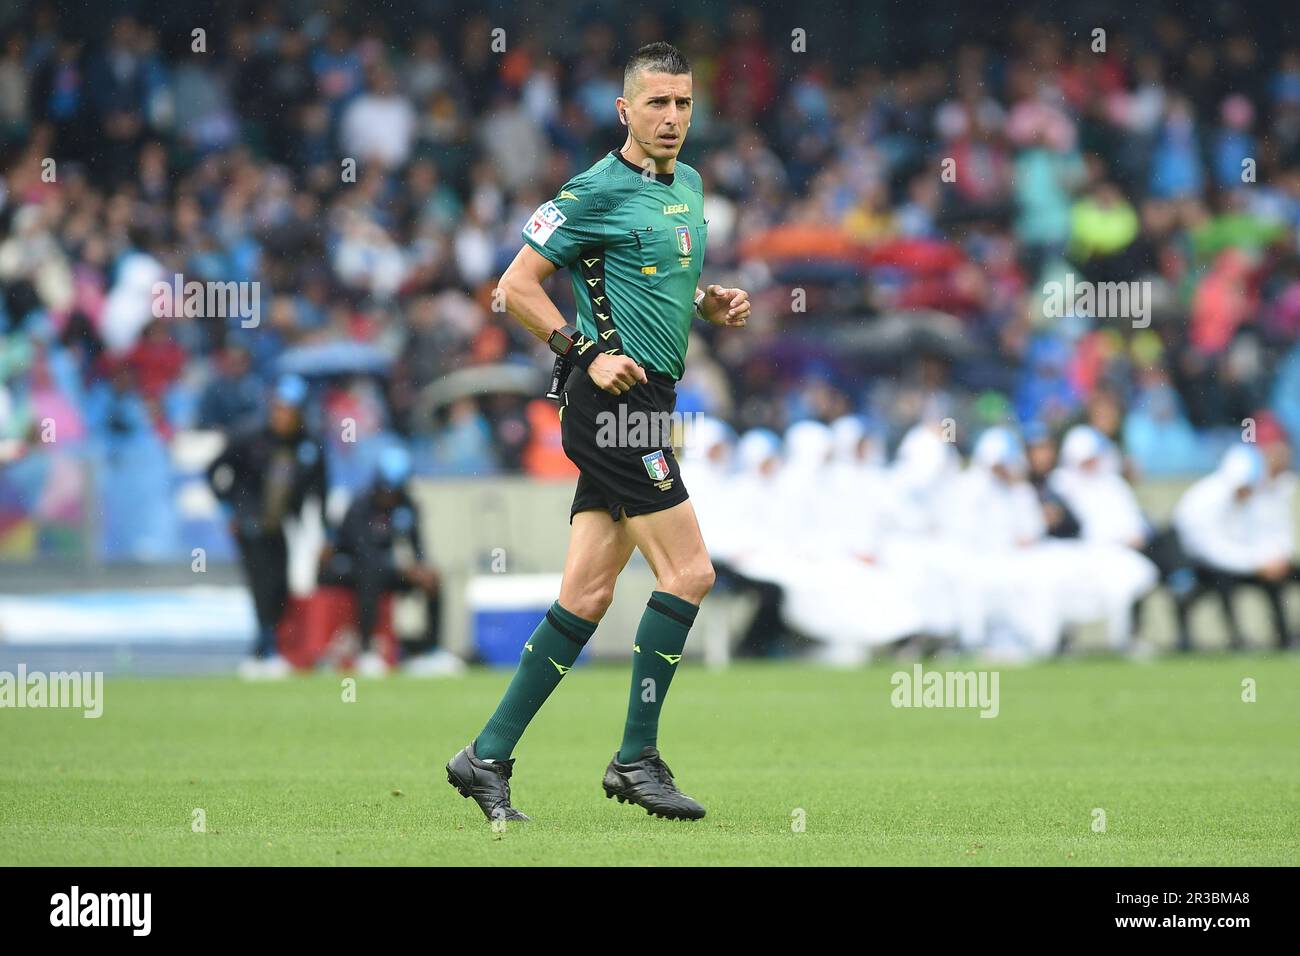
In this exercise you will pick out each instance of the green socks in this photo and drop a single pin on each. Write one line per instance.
(546, 657)
(659, 642)
(552, 650)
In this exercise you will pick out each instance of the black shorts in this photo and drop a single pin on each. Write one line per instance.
(621, 445)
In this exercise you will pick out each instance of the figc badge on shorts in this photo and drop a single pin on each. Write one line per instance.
(656, 465)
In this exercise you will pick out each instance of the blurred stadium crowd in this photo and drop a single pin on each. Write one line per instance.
(881, 289)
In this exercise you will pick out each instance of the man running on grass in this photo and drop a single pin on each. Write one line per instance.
(632, 233)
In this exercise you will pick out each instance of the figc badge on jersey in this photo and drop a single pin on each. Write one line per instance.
(684, 240)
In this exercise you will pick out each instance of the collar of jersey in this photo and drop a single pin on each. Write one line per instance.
(665, 178)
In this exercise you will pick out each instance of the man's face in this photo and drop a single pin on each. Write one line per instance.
(238, 363)
(658, 107)
(284, 418)
(1042, 457)
(1105, 415)
(1278, 456)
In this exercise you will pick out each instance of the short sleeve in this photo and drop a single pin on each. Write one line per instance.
(562, 226)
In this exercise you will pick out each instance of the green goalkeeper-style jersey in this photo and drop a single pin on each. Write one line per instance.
(634, 247)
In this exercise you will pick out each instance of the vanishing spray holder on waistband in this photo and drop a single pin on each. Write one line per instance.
(559, 375)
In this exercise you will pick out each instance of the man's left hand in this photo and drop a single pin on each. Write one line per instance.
(423, 577)
(728, 307)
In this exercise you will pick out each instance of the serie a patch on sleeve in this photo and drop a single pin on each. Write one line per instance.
(543, 223)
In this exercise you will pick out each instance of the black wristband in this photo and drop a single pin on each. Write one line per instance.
(584, 351)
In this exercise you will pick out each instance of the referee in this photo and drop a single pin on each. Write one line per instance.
(632, 233)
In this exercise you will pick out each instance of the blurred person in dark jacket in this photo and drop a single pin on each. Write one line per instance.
(233, 399)
(265, 476)
(376, 551)
(1041, 448)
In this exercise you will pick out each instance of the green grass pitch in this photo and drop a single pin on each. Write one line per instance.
(288, 773)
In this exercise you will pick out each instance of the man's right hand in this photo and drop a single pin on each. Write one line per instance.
(615, 374)
(1275, 570)
(424, 577)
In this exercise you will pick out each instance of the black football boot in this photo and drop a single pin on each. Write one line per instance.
(488, 783)
(648, 783)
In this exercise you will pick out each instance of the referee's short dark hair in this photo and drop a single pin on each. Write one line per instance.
(658, 57)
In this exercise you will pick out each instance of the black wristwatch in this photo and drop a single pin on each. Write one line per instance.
(562, 339)
(572, 346)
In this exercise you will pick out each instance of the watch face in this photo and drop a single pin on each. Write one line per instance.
(559, 343)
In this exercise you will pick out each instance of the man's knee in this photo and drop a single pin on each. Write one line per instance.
(589, 601)
(691, 582)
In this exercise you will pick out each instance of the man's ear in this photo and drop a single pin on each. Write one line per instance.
(621, 105)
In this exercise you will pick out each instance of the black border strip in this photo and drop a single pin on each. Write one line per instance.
(656, 605)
